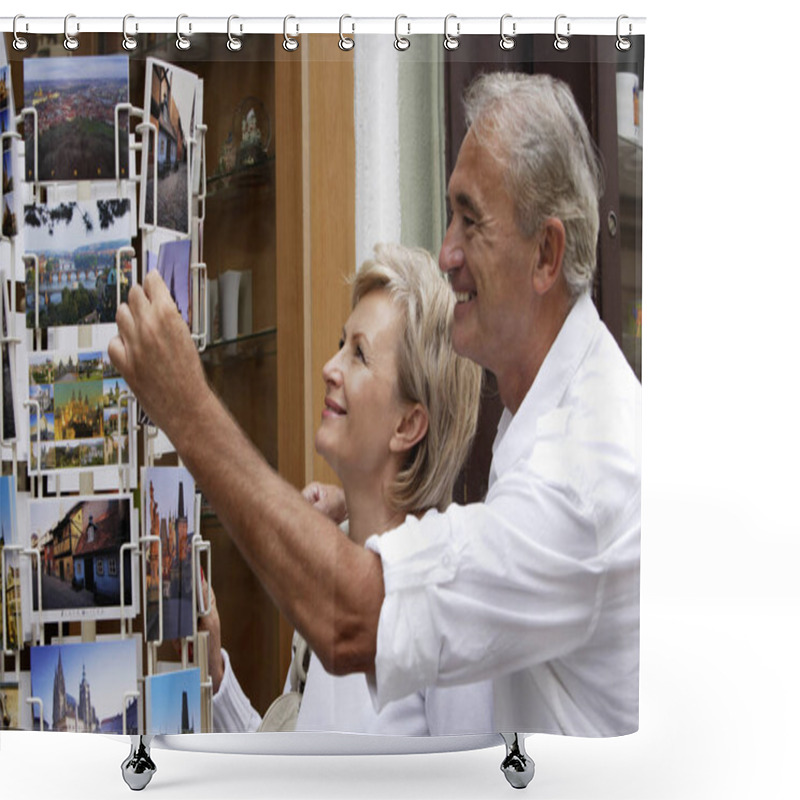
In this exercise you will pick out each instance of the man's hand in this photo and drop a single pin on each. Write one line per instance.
(156, 356)
(328, 499)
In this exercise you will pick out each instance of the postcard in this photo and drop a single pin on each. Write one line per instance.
(171, 98)
(79, 539)
(8, 421)
(11, 627)
(173, 264)
(80, 415)
(75, 99)
(172, 702)
(9, 222)
(169, 515)
(7, 111)
(15, 712)
(86, 687)
(74, 278)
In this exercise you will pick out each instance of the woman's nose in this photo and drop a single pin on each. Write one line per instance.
(330, 371)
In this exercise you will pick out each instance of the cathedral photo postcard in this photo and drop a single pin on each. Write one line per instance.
(87, 687)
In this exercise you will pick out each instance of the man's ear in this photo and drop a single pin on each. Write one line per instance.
(411, 428)
(550, 252)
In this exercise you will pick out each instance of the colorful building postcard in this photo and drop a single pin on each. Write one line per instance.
(172, 702)
(169, 515)
(75, 100)
(79, 539)
(80, 417)
(171, 97)
(73, 279)
(11, 623)
(86, 687)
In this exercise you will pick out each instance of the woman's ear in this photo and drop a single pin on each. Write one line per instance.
(411, 428)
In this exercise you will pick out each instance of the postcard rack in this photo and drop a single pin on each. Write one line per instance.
(24, 570)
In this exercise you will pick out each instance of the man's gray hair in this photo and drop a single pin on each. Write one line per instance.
(533, 126)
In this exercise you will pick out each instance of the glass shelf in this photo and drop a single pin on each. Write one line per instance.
(246, 346)
(251, 176)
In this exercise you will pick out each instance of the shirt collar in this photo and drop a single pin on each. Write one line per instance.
(548, 387)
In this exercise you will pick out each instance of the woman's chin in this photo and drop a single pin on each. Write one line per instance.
(325, 450)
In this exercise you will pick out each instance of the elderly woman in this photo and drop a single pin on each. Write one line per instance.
(400, 412)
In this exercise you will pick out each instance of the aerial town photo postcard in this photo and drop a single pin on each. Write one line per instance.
(75, 98)
(73, 278)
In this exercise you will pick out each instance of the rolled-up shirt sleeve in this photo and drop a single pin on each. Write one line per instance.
(233, 712)
(470, 592)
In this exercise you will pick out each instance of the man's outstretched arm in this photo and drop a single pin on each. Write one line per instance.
(330, 589)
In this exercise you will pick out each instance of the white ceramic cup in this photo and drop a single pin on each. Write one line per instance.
(229, 303)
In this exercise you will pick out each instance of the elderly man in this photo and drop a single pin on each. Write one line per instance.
(538, 586)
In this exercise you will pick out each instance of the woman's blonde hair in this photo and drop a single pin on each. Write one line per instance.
(429, 372)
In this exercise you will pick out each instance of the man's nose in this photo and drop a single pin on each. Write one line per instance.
(451, 256)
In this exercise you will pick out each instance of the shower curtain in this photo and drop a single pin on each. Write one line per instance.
(256, 179)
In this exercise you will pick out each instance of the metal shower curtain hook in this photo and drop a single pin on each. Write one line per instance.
(346, 42)
(507, 42)
(623, 43)
(70, 42)
(234, 43)
(181, 41)
(451, 42)
(19, 42)
(290, 43)
(401, 42)
(128, 42)
(561, 42)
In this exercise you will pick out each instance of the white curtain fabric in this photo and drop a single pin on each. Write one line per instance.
(399, 125)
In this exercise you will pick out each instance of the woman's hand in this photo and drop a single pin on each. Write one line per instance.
(211, 623)
(328, 499)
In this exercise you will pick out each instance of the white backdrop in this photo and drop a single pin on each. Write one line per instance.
(721, 540)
